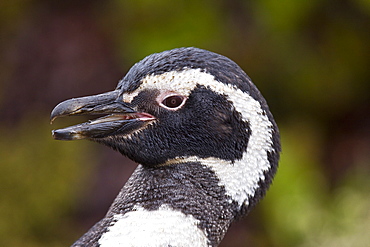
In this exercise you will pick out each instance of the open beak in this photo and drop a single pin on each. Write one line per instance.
(119, 117)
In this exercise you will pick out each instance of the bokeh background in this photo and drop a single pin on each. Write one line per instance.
(310, 59)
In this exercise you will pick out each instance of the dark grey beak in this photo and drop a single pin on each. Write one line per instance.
(119, 116)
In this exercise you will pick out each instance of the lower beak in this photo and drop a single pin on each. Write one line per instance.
(120, 117)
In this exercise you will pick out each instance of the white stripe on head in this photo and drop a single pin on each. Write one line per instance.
(162, 227)
(240, 178)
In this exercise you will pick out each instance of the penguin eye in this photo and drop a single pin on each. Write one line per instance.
(173, 101)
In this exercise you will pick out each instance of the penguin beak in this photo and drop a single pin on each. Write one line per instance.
(119, 117)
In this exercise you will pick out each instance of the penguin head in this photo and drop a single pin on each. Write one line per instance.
(182, 105)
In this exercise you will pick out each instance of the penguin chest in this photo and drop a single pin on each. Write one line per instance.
(162, 227)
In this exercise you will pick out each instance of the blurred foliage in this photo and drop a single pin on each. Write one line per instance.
(301, 210)
(40, 182)
(310, 60)
(144, 27)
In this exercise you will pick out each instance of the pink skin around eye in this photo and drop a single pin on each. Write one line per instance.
(165, 98)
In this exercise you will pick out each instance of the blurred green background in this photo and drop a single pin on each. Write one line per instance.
(310, 59)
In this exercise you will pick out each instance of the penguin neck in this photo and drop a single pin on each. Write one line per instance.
(184, 198)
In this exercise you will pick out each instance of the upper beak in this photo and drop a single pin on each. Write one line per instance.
(119, 116)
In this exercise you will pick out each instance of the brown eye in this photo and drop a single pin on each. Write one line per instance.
(173, 101)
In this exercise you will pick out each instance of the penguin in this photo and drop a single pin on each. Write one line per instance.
(205, 140)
